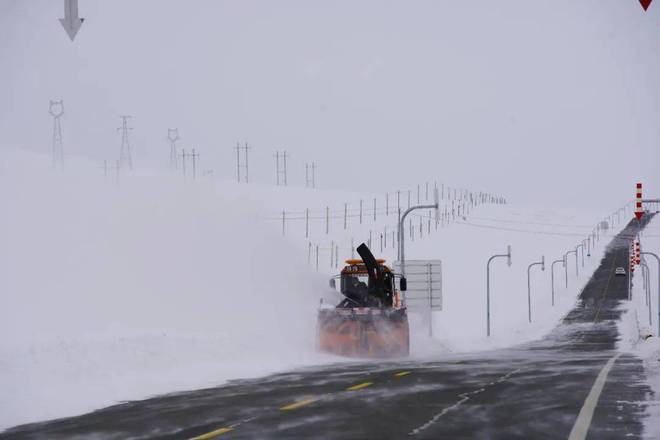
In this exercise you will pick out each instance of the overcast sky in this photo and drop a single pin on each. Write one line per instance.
(548, 102)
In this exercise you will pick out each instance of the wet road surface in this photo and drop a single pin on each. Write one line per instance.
(533, 391)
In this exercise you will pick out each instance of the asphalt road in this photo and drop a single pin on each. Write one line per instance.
(534, 391)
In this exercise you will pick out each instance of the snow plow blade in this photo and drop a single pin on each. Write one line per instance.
(370, 333)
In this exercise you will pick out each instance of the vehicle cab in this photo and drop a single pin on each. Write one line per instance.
(355, 285)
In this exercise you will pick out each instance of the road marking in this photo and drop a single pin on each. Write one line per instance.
(213, 434)
(296, 405)
(219, 432)
(464, 397)
(583, 421)
(403, 373)
(359, 386)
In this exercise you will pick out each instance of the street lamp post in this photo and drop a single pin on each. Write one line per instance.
(552, 277)
(566, 264)
(630, 271)
(402, 257)
(646, 275)
(529, 286)
(508, 256)
(657, 259)
(581, 245)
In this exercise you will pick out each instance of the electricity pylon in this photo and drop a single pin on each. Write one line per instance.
(56, 110)
(125, 156)
(173, 136)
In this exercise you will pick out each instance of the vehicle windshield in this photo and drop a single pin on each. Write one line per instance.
(355, 283)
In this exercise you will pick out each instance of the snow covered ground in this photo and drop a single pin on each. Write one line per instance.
(114, 293)
(639, 326)
(120, 290)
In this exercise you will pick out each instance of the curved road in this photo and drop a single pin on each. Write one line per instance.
(571, 384)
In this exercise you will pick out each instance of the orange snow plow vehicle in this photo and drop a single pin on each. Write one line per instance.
(371, 321)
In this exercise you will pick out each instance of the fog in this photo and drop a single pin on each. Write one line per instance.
(544, 102)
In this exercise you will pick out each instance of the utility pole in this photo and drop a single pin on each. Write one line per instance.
(56, 110)
(173, 136)
(238, 162)
(280, 169)
(183, 161)
(116, 168)
(246, 148)
(310, 175)
(194, 156)
(244, 165)
(125, 156)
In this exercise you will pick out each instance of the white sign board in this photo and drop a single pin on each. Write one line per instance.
(424, 279)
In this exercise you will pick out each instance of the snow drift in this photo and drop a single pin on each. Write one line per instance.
(113, 293)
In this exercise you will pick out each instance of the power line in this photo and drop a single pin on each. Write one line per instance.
(476, 225)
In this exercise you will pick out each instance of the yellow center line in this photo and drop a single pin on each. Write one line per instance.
(296, 405)
(213, 434)
(359, 386)
(607, 286)
(402, 373)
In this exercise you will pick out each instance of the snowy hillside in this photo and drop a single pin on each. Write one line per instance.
(113, 293)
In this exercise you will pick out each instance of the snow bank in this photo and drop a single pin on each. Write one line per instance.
(113, 293)
(639, 331)
(532, 234)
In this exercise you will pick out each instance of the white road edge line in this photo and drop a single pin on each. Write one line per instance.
(583, 421)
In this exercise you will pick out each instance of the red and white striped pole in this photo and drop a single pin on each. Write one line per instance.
(639, 212)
